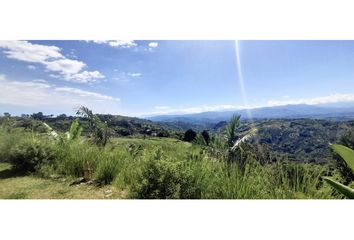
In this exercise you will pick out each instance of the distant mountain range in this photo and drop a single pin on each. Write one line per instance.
(337, 111)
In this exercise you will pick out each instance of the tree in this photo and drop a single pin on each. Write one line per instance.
(7, 115)
(38, 116)
(189, 135)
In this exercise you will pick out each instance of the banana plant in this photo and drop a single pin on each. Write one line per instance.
(73, 133)
(249, 134)
(347, 155)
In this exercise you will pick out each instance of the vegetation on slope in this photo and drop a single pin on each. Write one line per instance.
(162, 168)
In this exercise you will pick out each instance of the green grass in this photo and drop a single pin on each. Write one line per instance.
(32, 187)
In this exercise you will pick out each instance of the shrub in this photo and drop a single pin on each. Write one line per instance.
(30, 155)
(163, 179)
(9, 138)
(206, 136)
(189, 135)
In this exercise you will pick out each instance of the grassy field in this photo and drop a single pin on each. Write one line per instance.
(146, 168)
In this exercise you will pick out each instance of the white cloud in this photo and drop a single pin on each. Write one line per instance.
(117, 43)
(39, 93)
(333, 98)
(187, 110)
(54, 75)
(2, 77)
(40, 81)
(153, 44)
(51, 58)
(28, 52)
(134, 74)
(86, 76)
(83, 93)
(31, 67)
(65, 66)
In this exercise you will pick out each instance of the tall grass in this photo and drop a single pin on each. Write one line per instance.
(182, 170)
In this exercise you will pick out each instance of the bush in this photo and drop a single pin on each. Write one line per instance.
(9, 138)
(189, 135)
(163, 179)
(30, 155)
(206, 136)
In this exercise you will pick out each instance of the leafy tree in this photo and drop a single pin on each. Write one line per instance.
(7, 115)
(38, 116)
(62, 116)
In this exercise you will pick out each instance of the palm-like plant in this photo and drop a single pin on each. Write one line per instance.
(99, 129)
(231, 129)
(347, 155)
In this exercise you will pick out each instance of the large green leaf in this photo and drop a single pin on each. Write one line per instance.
(346, 153)
(346, 191)
(51, 132)
(245, 138)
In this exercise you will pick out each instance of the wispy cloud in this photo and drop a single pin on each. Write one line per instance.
(40, 93)
(82, 93)
(128, 44)
(31, 67)
(117, 43)
(333, 98)
(52, 59)
(125, 77)
(134, 74)
(159, 110)
(162, 107)
(153, 44)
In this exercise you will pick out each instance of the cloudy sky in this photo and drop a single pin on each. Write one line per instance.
(140, 78)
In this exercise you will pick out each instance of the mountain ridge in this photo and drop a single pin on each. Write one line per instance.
(321, 111)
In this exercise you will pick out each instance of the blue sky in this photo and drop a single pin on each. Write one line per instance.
(140, 78)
